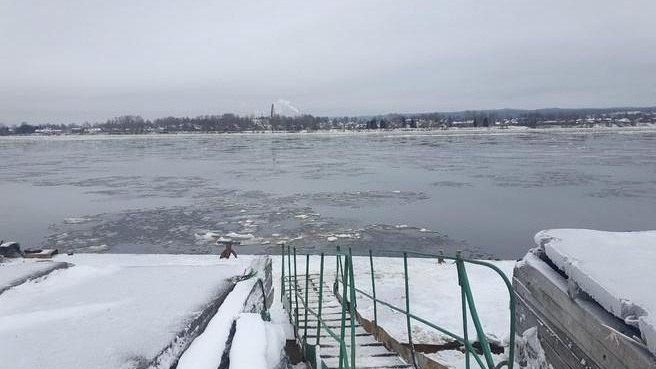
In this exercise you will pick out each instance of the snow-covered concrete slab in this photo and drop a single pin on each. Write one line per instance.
(617, 269)
(110, 311)
(16, 271)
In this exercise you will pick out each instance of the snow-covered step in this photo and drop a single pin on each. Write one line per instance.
(370, 353)
(369, 362)
(367, 350)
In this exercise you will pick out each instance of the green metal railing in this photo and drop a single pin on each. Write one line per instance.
(344, 275)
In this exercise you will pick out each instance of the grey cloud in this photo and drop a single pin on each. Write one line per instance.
(77, 60)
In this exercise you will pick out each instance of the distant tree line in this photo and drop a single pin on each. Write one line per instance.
(134, 124)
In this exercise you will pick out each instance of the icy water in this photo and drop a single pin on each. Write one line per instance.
(486, 194)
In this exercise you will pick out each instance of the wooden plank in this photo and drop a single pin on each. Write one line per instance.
(586, 330)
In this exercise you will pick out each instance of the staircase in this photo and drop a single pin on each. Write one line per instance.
(369, 353)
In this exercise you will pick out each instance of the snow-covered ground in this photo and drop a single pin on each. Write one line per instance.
(16, 271)
(617, 269)
(109, 311)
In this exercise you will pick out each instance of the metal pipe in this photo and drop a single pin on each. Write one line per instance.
(463, 303)
(320, 299)
(352, 305)
(373, 290)
(485, 345)
(343, 325)
(295, 291)
(407, 308)
(282, 274)
(307, 302)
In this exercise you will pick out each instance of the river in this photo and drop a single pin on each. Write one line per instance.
(484, 193)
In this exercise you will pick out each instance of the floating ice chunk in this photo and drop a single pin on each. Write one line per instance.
(77, 220)
(239, 236)
(98, 248)
(332, 238)
(275, 235)
(344, 235)
(396, 191)
(425, 230)
(301, 216)
(209, 235)
(401, 226)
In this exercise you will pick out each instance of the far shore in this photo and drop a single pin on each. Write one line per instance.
(400, 132)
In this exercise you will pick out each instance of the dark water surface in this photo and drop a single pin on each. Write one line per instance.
(486, 194)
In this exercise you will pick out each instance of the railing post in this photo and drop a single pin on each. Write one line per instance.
(343, 361)
(352, 305)
(295, 291)
(282, 274)
(407, 308)
(373, 289)
(338, 261)
(320, 301)
(463, 302)
(485, 345)
(306, 303)
(289, 287)
(343, 325)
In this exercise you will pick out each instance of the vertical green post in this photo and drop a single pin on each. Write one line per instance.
(485, 345)
(307, 302)
(342, 354)
(338, 261)
(282, 274)
(289, 285)
(343, 325)
(407, 308)
(352, 305)
(463, 301)
(295, 291)
(373, 290)
(320, 301)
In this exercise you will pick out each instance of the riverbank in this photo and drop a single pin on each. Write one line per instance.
(196, 311)
(400, 132)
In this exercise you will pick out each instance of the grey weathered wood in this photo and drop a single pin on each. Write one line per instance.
(572, 330)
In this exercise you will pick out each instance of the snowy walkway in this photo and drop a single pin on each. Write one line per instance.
(112, 311)
(369, 352)
(17, 271)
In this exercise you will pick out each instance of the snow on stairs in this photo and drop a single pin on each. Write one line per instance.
(370, 354)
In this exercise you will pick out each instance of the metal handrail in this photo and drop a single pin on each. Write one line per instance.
(308, 349)
(344, 274)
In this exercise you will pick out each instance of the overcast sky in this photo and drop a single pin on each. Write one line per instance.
(86, 60)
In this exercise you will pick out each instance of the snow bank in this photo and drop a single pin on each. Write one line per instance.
(530, 352)
(454, 359)
(108, 311)
(206, 350)
(249, 345)
(615, 268)
(16, 271)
